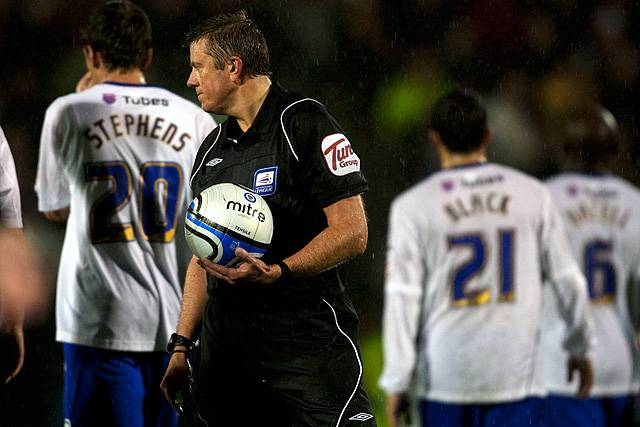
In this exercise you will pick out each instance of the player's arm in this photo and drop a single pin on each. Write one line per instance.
(344, 237)
(177, 375)
(11, 303)
(59, 215)
(570, 288)
(13, 271)
(405, 276)
(52, 186)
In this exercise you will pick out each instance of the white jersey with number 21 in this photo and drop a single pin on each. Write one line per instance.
(467, 251)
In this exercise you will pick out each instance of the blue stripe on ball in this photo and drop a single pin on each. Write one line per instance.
(195, 221)
(229, 243)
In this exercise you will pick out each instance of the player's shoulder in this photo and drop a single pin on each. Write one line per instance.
(421, 192)
(67, 101)
(629, 190)
(446, 182)
(611, 181)
(485, 173)
(516, 175)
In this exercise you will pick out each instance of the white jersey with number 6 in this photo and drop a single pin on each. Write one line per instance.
(467, 251)
(602, 217)
(119, 156)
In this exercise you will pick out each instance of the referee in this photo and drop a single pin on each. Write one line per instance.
(278, 338)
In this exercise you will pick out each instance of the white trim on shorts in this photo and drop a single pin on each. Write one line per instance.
(355, 350)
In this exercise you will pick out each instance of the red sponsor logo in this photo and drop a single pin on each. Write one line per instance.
(339, 155)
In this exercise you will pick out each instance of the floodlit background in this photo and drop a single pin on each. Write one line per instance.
(378, 66)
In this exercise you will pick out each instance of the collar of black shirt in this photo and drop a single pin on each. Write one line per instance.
(265, 119)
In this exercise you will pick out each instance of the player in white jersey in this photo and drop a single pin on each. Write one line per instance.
(601, 213)
(11, 308)
(467, 251)
(115, 160)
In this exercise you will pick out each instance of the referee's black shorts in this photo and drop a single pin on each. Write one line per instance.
(294, 363)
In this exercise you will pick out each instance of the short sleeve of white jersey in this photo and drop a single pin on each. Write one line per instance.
(10, 213)
(404, 281)
(568, 282)
(52, 185)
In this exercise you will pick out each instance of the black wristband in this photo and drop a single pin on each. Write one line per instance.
(286, 271)
(179, 340)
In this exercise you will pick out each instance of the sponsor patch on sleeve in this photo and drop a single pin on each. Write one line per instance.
(339, 156)
(265, 181)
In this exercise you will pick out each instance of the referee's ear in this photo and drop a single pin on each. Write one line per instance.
(236, 68)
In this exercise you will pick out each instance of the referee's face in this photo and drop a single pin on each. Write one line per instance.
(212, 85)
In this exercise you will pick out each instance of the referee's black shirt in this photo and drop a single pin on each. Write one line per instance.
(296, 156)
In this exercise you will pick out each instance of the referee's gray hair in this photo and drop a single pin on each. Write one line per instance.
(234, 34)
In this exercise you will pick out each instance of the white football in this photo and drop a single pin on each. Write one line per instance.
(227, 216)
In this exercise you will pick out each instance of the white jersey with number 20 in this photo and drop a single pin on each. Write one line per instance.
(119, 156)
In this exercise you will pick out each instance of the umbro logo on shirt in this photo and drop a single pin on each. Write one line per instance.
(214, 162)
(362, 416)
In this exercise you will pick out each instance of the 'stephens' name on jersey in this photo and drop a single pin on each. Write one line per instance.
(138, 125)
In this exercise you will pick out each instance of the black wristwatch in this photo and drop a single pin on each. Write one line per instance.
(179, 340)
(286, 271)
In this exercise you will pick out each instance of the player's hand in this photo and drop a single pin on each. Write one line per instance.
(584, 369)
(84, 83)
(176, 378)
(11, 352)
(249, 269)
(397, 409)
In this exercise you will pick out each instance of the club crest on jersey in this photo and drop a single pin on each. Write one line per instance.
(447, 185)
(109, 98)
(572, 190)
(265, 181)
(339, 156)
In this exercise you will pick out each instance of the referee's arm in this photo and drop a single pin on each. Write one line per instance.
(345, 237)
(193, 301)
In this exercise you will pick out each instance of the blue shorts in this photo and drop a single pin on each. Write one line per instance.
(565, 411)
(115, 388)
(526, 412)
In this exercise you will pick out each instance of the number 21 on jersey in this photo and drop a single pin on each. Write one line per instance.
(480, 252)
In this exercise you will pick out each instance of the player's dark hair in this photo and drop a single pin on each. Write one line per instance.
(590, 135)
(460, 120)
(121, 32)
(234, 34)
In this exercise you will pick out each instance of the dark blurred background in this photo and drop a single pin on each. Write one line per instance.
(378, 66)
